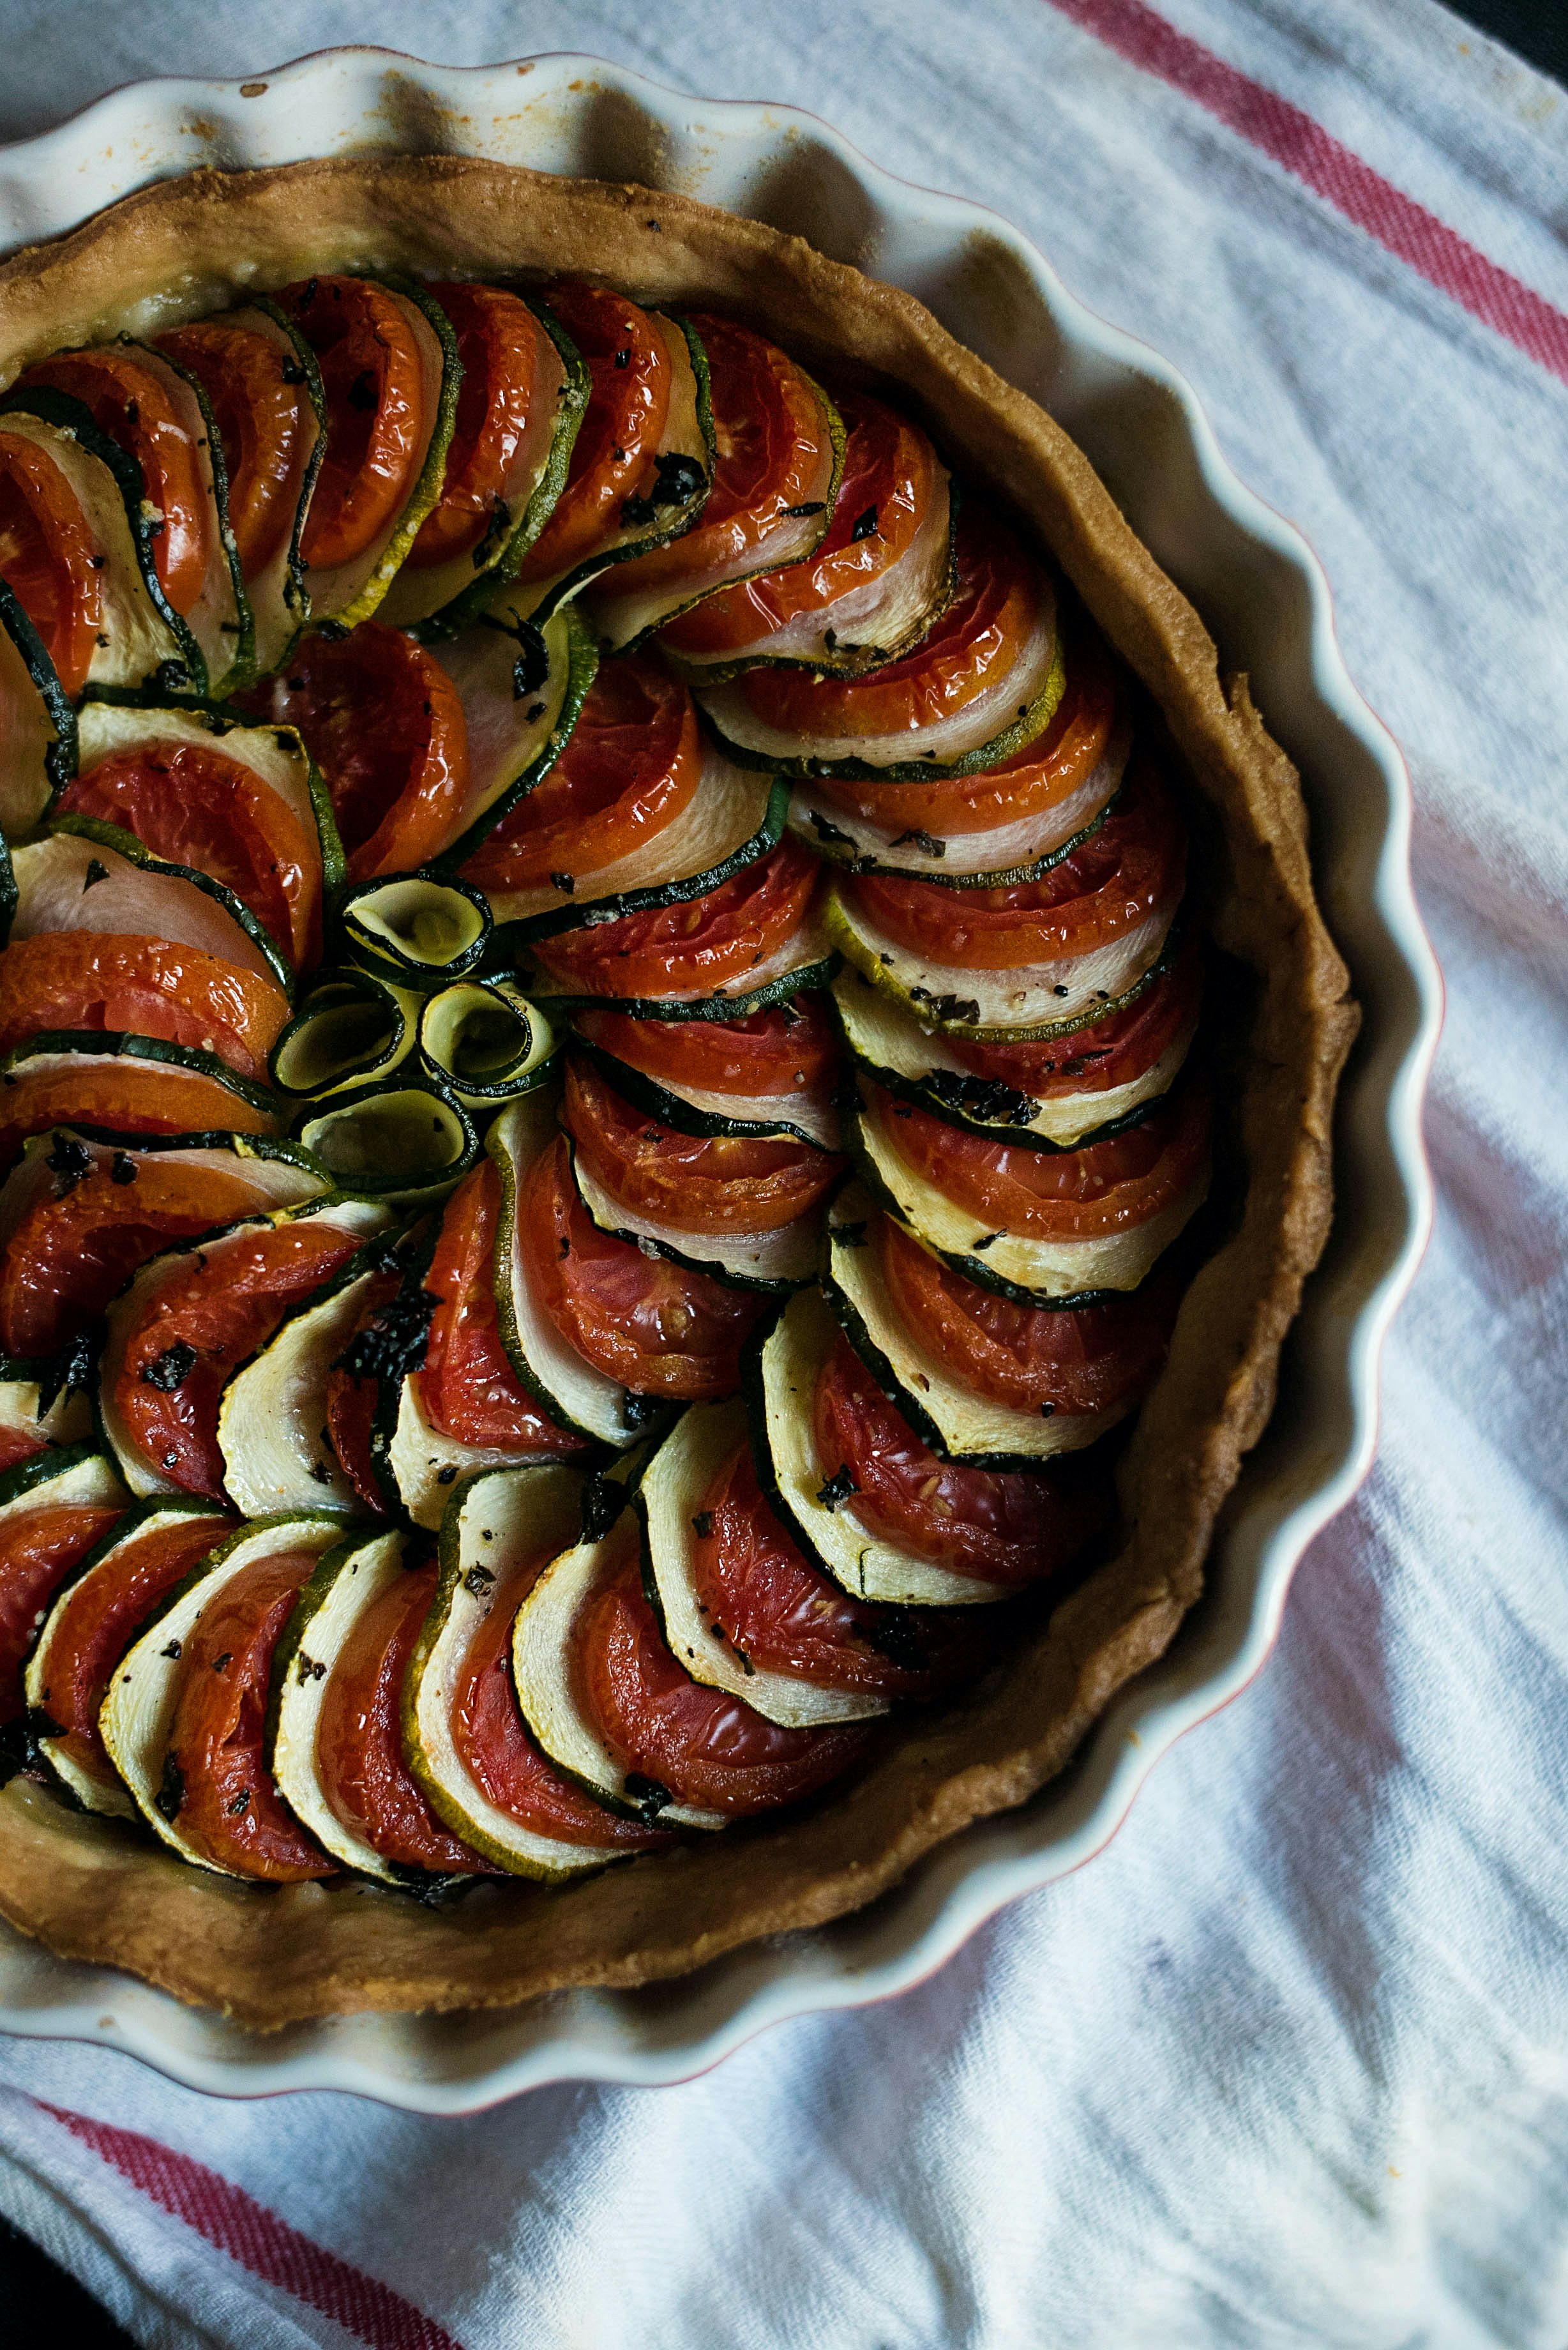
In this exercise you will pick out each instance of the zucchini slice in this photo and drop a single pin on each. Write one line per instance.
(775, 1262)
(913, 1062)
(500, 1526)
(804, 1116)
(138, 1714)
(394, 1139)
(353, 1026)
(681, 1472)
(425, 1465)
(70, 1476)
(89, 875)
(542, 1669)
(485, 1040)
(219, 619)
(521, 687)
(417, 931)
(48, 1071)
(781, 1395)
(733, 818)
(40, 1402)
(38, 753)
(573, 1391)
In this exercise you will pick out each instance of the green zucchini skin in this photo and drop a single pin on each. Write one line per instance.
(582, 668)
(337, 991)
(296, 598)
(60, 759)
(112, 1044)
(841, 849)
(242, 669)
(367, 936)
(646, 1094)
(422, 1099)
(818, 972)
(684, 1250)
(135, 852)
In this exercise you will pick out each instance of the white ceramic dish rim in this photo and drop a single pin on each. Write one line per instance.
(1122, 401)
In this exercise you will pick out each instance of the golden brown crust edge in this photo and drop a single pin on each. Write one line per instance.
(88, 1889)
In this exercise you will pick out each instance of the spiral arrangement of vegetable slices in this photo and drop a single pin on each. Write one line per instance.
(595, 1019)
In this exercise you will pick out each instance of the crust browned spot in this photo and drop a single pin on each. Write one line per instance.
(90, 1888)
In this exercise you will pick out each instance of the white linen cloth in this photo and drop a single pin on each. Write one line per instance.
(1288, 2064)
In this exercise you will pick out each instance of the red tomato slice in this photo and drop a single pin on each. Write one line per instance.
(694, 947)
(1106, 1187)
(764, 1596)
(229, 1808)
(1109, 1053)
(351, 1402)
(359, 1743)
(193, 806)
(693, 1183)
(1134, 865)
(38, 1549)
(890, 476)
(263, 418)
(49, 558)
(78, 1244)
(100, 1619)
(656, 1327)
(468, 1387)
(384, 723)
(378, 424)
(135, 409)
(1000, 1526)
(19, 1444)
(1040, 777)
(632, 766)
(498, 345)
(103, 980)
(193, 1336)
(790, 1048)
(706, 1747)
(773, 452)
(630, 378)
(126, 1098)
(976, 640)
(488, 1732)
(1086, 1360)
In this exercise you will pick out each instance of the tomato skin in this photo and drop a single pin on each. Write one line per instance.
(659, 1329)
(378, 422)
(706, 1747)
(196, 808)
(498, 346)
(719, 1183)
(632, 765)
(618, 440)
(766, 1598)
(125, 1097)
(467, 1386)
(1076, 1361)
(229, 1808)
(384, 723)
(216, 1314)
(352, 1400)
(360, 1743)
(263, 422)
(1105, 1187)
(111, 981)
(790, 1048)
(38, 1549)
(100, 1619)
(1108, 1053)
(697, 946)
(48, 557)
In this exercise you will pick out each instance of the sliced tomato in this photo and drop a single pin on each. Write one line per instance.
(19, 1444)
(126, 1097)
(693, 1183)
(790, 1048)
(135, 408)
(632, 766)
(196, 808)
(1109, 1053)
(766, 1598)
(1121, 875)
(360, 1743)
(1040, 777)
(262, 413)
(656, 1327)
(353, 1393)
(38, 1549)
(49, 558)
(193, 1337)
(885, 493)
(1106, 1187)
(104, 980)
(975, 641)
(467, 1386)
(694, 948)
(383, 722)
(706, 1747)
(630, 379)
(100, 1619)
(498, 343)
(774, 452)
(378, 420)
(488, 1732)
(1002, 1526)
(1076, 1361)
(229, 1807)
